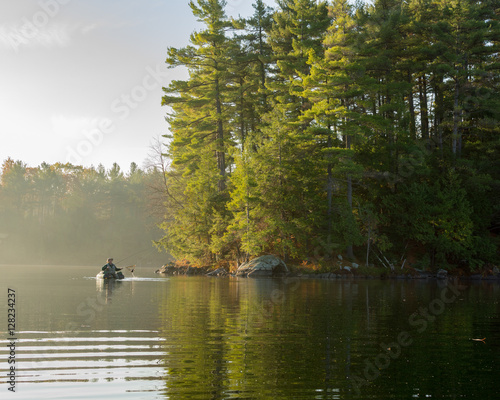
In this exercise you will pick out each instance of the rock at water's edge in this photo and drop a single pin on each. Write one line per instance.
(172, 269)
(442, 274)
(218, 272)
(263, 266)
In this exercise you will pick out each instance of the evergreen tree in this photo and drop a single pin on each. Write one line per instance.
(298, 30)
(199, 121)
(332, 90)
(314, 129)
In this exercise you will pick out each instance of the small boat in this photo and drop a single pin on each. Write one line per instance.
(108, 276)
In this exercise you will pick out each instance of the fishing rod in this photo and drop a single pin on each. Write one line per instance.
(140, 251)
(132, 267)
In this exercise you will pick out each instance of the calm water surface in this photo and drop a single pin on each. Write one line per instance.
(151, 337)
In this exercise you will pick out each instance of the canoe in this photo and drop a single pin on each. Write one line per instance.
(106, 276)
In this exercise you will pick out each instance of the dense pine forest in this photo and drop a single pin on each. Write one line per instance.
(323, 128)
(70, 215)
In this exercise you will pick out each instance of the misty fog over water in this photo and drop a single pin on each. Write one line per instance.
(67, 215)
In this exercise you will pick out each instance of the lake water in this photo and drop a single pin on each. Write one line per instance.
(151, 337)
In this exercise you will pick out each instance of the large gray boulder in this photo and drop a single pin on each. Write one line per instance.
(442, 274)
(263, 266)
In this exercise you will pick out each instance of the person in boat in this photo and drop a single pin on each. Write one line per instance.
(111, 269)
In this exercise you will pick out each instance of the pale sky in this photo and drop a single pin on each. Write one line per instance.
(81, 80)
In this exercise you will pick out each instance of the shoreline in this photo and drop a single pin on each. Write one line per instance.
(401, 277)
(343, 274)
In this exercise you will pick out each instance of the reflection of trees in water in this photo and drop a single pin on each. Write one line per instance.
(228, 336)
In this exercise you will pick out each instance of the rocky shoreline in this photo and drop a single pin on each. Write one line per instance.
(423, 275)
(276, 268)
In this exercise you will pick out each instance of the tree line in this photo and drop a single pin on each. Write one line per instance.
(72, 215)
(320, 128)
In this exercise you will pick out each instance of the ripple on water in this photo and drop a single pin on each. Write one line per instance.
(82, 365)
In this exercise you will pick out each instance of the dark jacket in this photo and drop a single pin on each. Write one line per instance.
(110, 268)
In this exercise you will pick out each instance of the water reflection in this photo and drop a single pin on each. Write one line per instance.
(52, 362)
(315, 339)
(149, 337)
(106, 287)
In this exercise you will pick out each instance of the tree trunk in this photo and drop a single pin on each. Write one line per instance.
(262, 67)
(413, 128)
(438, 112)
(349, 250)
(368, 246)
(242, 116)
(329, 188)
(424, 116)
(221, 162)
(456, 116)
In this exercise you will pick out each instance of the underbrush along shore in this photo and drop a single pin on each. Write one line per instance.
(350, 271)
